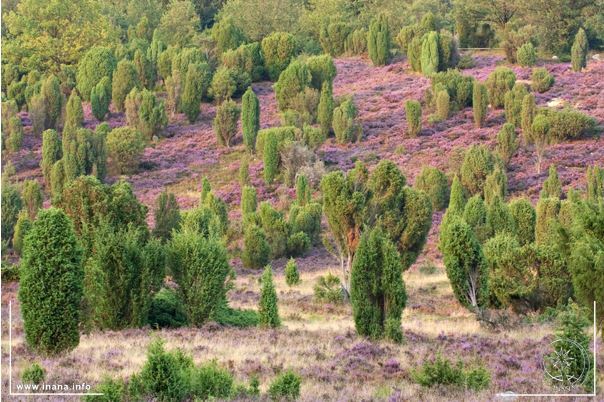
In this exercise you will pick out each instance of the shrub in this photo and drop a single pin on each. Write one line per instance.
(14, 142)
(53, 98)
(225, 122)
(246, 58)
(567, 124)
(74, 114)
(524, 217)
(333, 37)
(33, 374)
(356, 42)
(165, 375)
(499, 219)
(526, 55)
(413, 111)
(100, 98)
(378, 41)
(211, 381)
(124, 79)
(463, 260)
(227, 36)
(200, 267)
(500, 81)
(595, 183)
(579, 50)
(479, 103)
(475, 215)
(292, 81)
(57, 180)
(478, 163)
(271, 157)
(285, 386)
(231, 317)
(439, 372)
(244, 172)
(145, 112)
(250, 118)
(313, 137)
(414, 53)
(513, 104)
(32, 197)
(434, 183)
(256, 250)
(21, 228)
(442, 105)
(430, 53)
(97, 63)
(37, 113)
(541, 80)
(552, 187)
(193, 91)
(527, 115)
(292, 277)
(278, 49)
(345, 126)
(167, 215)
(111, 390)
(248, 200)
(377, 309)
(228, 82)
(298, 244)
(267, 308)
(466, 61)
(125, 146)
(325, 108)
(507, 143)
(166, 310)
(50, 289)
(328, 289)
(322, 69)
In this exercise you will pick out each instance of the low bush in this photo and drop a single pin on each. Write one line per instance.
(526, 55)
(292, 277)
(225, 122)
(166, 310)
(441, 371)
(328, 289)
(345, 125)
(434, 183)
(285, 386)
(232, 317)
(500, 81)
(33, 374)
(541, 80)
(125, 146)
(211, 381)
(567, 124)
(111, 390)
(413, 111)
(298, 244)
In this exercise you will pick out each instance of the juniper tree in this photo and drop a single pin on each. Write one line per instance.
(499, 82)
(256, 250)
(192, 91)
(495, 185)
(32, 197)
(499, 219)
(552, 187)
(434, 183)
(475, 215)
(595, 183)
(225, 122)
(344, 123)
(37, 113)
(244, 173)
(579, 50)
(507, 143)
(74, 115)
(378, 41)
(414, 53)
(278, 49)
(477, 164)
(442, 105)
(22, 227)
(540, 137)
(57, 181)
(524, 217)
(50, 290)
(413, 112)
(250, 118)
(429, 55)
(124, 79)
(167, 216)
(53, 99)
(512, 101)
(271, 158)
(377, 290)
(248, 200)
(325, 108)
(11, 205)
(527, 115)
(547, 215)
(206, 188)
(100, 98)
(267, 307)
(97, 63)
(292, 277)
(480, 103)
(465, 264)
(14, 142)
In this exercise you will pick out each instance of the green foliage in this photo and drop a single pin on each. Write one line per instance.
(97, 63)
(167, 216)
(325, 108)
(313, 137)
(111, 390)
(478, 163)
(513, 103)
(225, 315)
(228, 82)
(322, 69)
(179, 24)
(292, 81)
(227, 36)
(430, 53)
(499, 219)
(579, 51)
(524, 217)
(475, 215)
(246, 58)
(74, 114)
(32, 197)
(333, 36)
(302, 190)
(165, 375)
(286, 386)
(413, 112)
(567, 124)
(328, 289)
(57, 180)
(125, 146)
(527, 115)
(547, 214)
(256, 250)
(267, 307)
(434, 183)
(278, 49)
(480, 103)
(225, 122)
(271, 157)
(145, 69)
(441, 371)
(100, 98)
(22, 226)
(495, 185)
(50, 289)
(442, 105)
(248, 200)
(33, 374)
(211, 381)
(250, 118)
(507, 142)
(414, 53)
(200, 267)
(500, 81)
(167, 310)
(145, 112)
(448, 54)
(465, 263)
(377, 289)
(378, 41)
(11, 205)
(345, 125)
(595, 183)
(37, 113)
(541, 80)
(193, 91)
(244, 173)
(356, 42)
(552, 187)
(53, 99)
(14, 142)
(275, 227)
(125, 78)
(298, 244)
(292, 277)
(526, 55)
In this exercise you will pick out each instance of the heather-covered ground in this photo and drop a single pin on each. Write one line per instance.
(319, 340)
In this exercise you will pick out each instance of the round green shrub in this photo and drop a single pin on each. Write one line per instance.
(526, 55)
(500, 81)
(211, 381)
(507, 142)
(125, 146)
(478, 163)
(524, 217)
(328, 289)
(166, 310)
(285, 386)
(298, 244)
(33, 374)
(434, 183)
(278, 49)
(100, 98)
(97, 63)
(256, 250)
(345, 126)
(225, 122)
(124, 79)
(541, 80)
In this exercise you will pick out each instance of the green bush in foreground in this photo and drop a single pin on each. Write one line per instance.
(541, 80)
(268, 309)
(166, 310)
(526, 55)
(285, 386)
(292, 277)
(328, 289)
(33, 374)
(441, 371)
